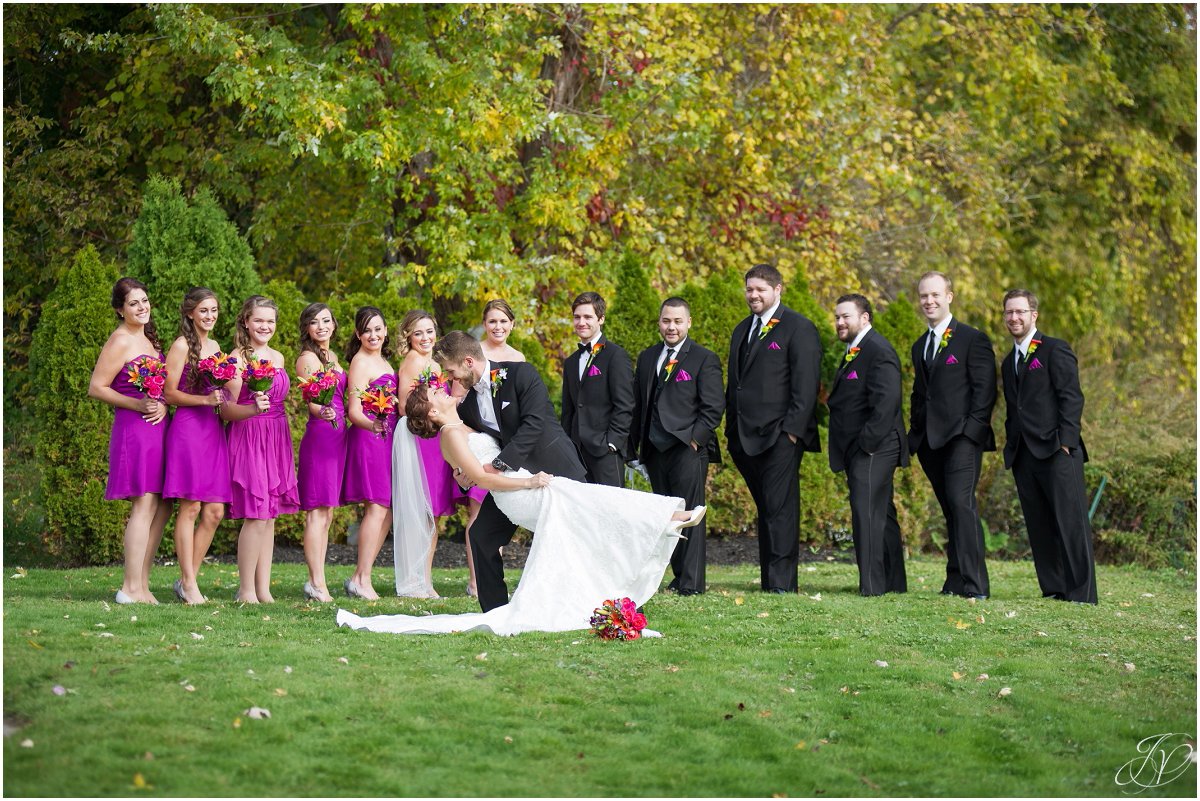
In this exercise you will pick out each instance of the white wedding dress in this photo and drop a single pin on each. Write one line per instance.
(591, 543)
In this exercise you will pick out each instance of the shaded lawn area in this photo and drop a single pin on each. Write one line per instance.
(746, 694)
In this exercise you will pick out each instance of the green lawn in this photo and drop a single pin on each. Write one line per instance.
(746, 695)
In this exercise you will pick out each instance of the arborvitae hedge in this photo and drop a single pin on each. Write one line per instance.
(631, 320)
(73, 429)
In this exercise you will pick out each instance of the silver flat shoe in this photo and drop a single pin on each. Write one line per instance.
(122, 598)
(179, 590)
(352, 589)
(310, 592)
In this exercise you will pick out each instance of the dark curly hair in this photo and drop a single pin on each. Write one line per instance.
(416, 409)
(120, 292)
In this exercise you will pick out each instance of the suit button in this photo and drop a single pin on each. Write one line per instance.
(581, 404)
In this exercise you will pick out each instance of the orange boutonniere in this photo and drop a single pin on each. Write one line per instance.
(766, 329)
(1033, 346)
(946, 338)
(670, 367)
(497, 377)
(852, 354)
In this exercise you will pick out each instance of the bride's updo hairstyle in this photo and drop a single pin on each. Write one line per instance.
(416, 409)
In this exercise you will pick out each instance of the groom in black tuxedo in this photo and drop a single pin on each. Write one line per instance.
(771, 401)
(597, 395)
(509, 401)
(679, 405)
(1046, 452)
(950, 412)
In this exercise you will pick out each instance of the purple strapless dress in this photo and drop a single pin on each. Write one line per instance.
(444, 493)
(261, 465)
(135, 448)
(197, 449)
(323, 454)
(369, 459)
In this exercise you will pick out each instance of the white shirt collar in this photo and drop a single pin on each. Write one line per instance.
(678, 346)
(591, 343)
(941, 327)
(486, 379)
(862, 333)
(1023, 345)
(769, 313)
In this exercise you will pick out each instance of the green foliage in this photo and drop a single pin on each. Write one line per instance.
(179, 244)
(1147, 513)
(631, 320)
(73, 429)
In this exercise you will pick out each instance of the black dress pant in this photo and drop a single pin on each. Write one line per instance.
(773, 478)
(953, 470)
(490, 532)
(608, 469)
(1054, 502)
(680, 472)
(877, 545)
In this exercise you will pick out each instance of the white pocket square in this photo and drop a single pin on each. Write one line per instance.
(505, 405)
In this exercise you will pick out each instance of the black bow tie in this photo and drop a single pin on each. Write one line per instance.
(584, 347)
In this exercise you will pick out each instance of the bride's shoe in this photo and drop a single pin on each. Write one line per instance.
(179, 590)
(355, 591)
(122, 598)
(694, 518)
(311, 593)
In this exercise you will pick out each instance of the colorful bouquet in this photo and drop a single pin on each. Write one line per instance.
(618, 620)
(433, 380)
(318, 388)
(259, 374)
(380, 404)
(149, 375)
(220, 368)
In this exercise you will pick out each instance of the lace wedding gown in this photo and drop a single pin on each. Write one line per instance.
(591, 543)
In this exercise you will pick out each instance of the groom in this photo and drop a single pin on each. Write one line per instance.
(509, 401)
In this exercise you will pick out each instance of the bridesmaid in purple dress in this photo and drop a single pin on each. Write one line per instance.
(323, 448)
(368, 477)
(418, 332)
(135, 450)
(261, 464)
(197, 451)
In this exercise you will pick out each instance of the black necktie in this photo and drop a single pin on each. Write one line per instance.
(664, 374)
(930, 349)
(746, 346)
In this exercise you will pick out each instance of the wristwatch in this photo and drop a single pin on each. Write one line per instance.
(499, 464)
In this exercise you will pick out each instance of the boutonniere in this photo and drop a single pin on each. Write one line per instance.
(1033, 346)
(683, 376)
(766, 329)
(1035, 365)
(599, 346)
(852, 354)
(498, 375)
(670, 367)
(949, 332)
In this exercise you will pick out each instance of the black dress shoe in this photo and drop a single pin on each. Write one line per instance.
(778, 591)
(690, 592)
(673, 586)
(947, 592)
(974, 596)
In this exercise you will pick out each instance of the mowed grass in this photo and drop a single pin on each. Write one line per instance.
(745, 695)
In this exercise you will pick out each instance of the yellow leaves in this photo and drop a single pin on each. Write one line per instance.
(739, 600)
(139, 782)
(957, 676)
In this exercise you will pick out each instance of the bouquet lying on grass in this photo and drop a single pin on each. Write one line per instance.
(149, 375)
(318, 388)
(618, 620)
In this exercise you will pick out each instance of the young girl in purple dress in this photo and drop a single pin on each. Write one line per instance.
(197, 470)
(136, 448)
(261, 465)
(368, 478)
(323, 448)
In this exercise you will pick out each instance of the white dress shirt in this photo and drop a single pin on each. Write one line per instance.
(662, 356)
(939, 331)
(583, 358)
(483, 397)
(1022, 347)
(765, 317)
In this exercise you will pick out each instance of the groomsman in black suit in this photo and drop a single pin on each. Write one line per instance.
(771, 400)
(597, 395)
(867, 441)
(1045, 451)
(951, 412)
(509, 401)
(679, 405)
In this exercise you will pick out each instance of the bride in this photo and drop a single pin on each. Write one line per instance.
(592, 542)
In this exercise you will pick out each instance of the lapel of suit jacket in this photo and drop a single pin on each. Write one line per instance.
(603, 340)
(740, 333)
(497, 406)
(571, 371)
(679, 357)
(1008, 372)
(761, 341)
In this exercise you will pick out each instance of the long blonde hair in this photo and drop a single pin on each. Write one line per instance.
(409, 324)
(241, 333)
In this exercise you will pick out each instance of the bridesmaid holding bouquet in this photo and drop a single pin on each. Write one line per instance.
(371, 408)
(130, 376)
(323, 448)
(260, 447)
(197, 452)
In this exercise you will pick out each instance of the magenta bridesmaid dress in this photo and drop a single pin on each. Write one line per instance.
(323, 454)
(444, 494)
(261, 465)
(368, 477)
(135, 448)
(197, 449)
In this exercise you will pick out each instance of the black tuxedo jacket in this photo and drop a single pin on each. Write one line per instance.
(777, 392)
(1045, 406)
(598, 409)
(864, 402)
(957, 393)
(530, 436)
(690, 402)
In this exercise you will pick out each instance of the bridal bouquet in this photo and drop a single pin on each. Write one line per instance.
(318, 388)
(380, 404)
(259, 374)
(149, 375)
(618, 620)
(219, 368)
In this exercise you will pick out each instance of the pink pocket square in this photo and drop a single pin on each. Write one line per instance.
(853, 376)
(593, 370)
(683, 375)
(1035, 364)
(952, 360)
(773, 346)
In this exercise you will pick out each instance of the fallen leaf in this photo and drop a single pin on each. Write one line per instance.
(800, 746)
(869, 783)
(481, 657)
(880, 663)
(133, 618)
(982, 677)
(789, 690)
(70, 663)
(508, 739)
(1010, 614)
(244, 645)
(287, 669)
(107, 634)
(845, 689)
(20, 574)
(237, 723)
(257, 713)
(816, 597)
(33, 644)
(249, 671)
(280, 692)
(149, 757)
(980, 619)
(1130, 667)
(1042, 634)
(139, 781)
(739, 600)
(766, 713)
(196, 636)
(208, 628)
(672, 668)
(763, 614)
(343, 660)
(101, 626)
(1125, 603)
(27, 743)
(58, 689)
(190, 688)
(956, 675)
(958, 624)
(1004, 692)
(266, 617)
(1147, 595)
